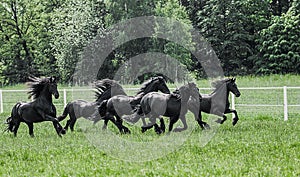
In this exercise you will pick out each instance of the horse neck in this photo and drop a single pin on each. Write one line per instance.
(149, 88)
(45, 96)
(218, 93)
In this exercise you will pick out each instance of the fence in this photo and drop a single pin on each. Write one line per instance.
(283, 102)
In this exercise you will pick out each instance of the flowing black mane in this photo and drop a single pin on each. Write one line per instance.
(219, 83)
(36, 85)
(147, 83)
(104, 85)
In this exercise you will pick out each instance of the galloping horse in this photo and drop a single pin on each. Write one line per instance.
(105, 89)
(174, 106)
(120, 105)
(216, 103)
(39, 110)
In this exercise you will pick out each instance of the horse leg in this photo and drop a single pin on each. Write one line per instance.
(120, 122)
(30, 127)
(105, 124)
(236, 117)
(59, 129)
(183, 120)
(201, 123)
(162, 125)
(157, 129)
(173, 120)
(150, 125)
(72, 120)
(67, 125)
(72, 123)
(221, 121)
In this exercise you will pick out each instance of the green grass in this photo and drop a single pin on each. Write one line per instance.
(261, 144)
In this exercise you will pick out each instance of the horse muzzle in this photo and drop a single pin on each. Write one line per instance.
(238, 94)
(56, 95)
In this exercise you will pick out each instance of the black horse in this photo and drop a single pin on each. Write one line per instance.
(216, 103)
(40, 109)
(120, 105)
(105, 89)
(174, 106)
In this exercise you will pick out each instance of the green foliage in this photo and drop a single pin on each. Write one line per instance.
(280, 44)
(47, 38)
(75, 23)
(231, 28)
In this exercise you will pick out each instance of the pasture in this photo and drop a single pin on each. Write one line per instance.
(261, 144)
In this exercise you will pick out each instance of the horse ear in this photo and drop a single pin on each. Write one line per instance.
(53, 79)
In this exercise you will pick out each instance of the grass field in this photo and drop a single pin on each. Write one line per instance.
(261, 144)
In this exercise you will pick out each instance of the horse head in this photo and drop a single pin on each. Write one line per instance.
(153, 85)
(162, 86)
(231, 86)
(52, 85)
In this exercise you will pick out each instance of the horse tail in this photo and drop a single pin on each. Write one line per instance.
(102, 108)
(10, 123)
(14, 114)
(65, 113)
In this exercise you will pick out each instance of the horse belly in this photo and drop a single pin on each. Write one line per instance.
(205, 106)
(88, 110)
(172, 110)
(120, 106)
(29, 114)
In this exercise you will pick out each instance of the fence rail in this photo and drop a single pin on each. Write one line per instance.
(284, 99)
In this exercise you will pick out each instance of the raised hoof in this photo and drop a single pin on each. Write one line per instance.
(126, 131)
(144, 129)
(178, 129)
(234, 121)
(220, 121)
(206, 127)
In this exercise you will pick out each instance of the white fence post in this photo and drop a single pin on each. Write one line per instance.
(285, 103)
(232, 103)
(1, 102)
(65, 98)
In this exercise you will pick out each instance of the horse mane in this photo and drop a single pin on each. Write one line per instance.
(218, 83)
(103, 85)
(36, 85)
(147, 83)
(176, 94)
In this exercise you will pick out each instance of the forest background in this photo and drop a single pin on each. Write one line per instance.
(250, 37)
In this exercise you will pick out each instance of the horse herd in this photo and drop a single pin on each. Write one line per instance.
(113, 104)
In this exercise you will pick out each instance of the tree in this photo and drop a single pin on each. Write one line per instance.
(280, 44)
(75, 23)
(232, 27)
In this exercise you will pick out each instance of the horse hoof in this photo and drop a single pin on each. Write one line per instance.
(177, 130)
(206, 127)
(63, 131)
(234, 121)
(144, 130)
(219, 121)
(158, 131)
